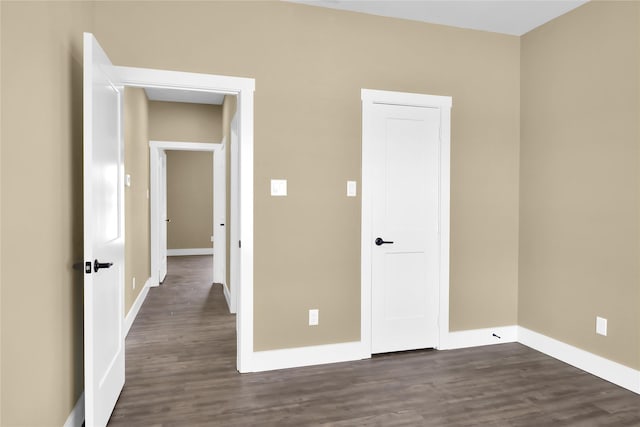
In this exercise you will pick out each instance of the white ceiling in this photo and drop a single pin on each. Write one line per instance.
(181, 95)
(515, 17)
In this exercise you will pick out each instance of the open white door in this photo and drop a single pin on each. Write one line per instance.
(164, 219)
(219, 216)
(103, 236)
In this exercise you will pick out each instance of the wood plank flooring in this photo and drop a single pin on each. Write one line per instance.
(181, 372)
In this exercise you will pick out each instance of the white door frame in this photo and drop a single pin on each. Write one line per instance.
(159, 174)
(243, 88)
(220, 222)
(369, 98)
(155, 151)
(234, 208)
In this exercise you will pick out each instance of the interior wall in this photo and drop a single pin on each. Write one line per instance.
(41, 217)
(579, 192)
(0, 219)
(137, 210)
(229, 108)
(185, 122)
(310, 65)
(189, 199)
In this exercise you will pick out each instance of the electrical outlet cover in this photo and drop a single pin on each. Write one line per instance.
(601, 326)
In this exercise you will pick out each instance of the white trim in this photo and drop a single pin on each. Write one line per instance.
(219, 215)
(443, 103)
(189, 251)
(180, 80)
(186, 146)
(307, 356)
(233, 200)
(227, 297)
(244, 89)
(372, 96)
(244, 317)
(445, 200)
(76, 417)
(479, 337)
(606, 369)
(135, 308)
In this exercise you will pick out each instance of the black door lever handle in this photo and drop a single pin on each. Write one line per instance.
(98, 265)
(381, 242)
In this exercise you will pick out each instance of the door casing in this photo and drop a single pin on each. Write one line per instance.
(158, 216)
(369, 98)
(157, 197)
(243, 88)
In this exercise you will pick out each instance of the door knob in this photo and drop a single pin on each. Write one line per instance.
(98, 265)
(168, 219)
(381, 242)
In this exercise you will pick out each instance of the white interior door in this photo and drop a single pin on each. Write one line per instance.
(405, 246)
(103, 236)
(219, 216)
(164, 218)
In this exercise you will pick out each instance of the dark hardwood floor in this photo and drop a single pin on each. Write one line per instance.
(181, 372)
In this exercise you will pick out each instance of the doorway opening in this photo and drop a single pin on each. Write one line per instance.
(241, 181)
(160, 219)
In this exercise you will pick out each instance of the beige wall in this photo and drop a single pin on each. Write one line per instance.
(136, 162)
(310, 64)
(0, 220)
(189, 199)
(174, 121)
(41, 218)
(579, 234)
(228, 111)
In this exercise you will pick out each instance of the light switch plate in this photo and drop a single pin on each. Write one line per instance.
(601, 326)
(314, 315)
(278, 187)
(351, 189)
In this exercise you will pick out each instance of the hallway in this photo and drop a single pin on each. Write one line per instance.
(181, 371)
(182, 338)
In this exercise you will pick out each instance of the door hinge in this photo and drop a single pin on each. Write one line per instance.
(239, 243)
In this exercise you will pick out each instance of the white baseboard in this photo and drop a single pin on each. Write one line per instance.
(479, 337)
(307, 356)
(190, 251)
(135, 308)
(227, 297)
(606, 369)
(76, 417)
